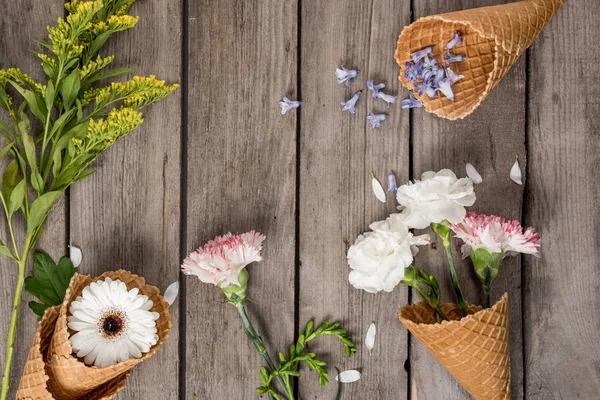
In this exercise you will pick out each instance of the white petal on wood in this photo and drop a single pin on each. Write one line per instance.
(172, 292)
(75, 255)
(515, 172)
(377, 189)
(472, 173)
(370, 339)
(348, 376)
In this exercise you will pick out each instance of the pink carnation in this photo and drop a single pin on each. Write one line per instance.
(221, 260)
(496, 234)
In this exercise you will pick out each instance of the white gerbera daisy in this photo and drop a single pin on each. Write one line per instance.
(111, 324)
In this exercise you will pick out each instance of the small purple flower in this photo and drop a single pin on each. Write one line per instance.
(453, 76)
(445, 86)
(427, 88)
(413, 71)
(389, 99)
(287, 105)
(411, 102)
(457, 39)
(351, 104)
(344, 75)
(375, 120)
(451, 58)
(392, 185)
(418, 55)
(439, 75)
(375, 88)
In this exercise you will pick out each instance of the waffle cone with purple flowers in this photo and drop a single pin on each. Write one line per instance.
(474, 349)
(493, 39)
(68, 378)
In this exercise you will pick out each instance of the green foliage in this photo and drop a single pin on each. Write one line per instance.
(289, 366)
(49, 281)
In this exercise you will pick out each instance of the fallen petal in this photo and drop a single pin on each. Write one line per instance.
(370, 339)
(515, 172)
(411, 102)
(386, 97)
(377, 189)
(472, 173)
(348, 376)
(418, 55)
(351, 104)
(392, 185)
(172, 292)
(287, 105)
(453, 76)
(375, 120)
(75, 255)
(344, 75)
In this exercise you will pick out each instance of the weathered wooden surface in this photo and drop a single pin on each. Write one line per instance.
(15, 44)
(241, 170)
(127, 215)
(562, 356)
(303, 180)
(339, 151)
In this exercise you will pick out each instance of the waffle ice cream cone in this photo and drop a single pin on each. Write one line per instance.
(493, 39)
(68, 378)
(474, 349)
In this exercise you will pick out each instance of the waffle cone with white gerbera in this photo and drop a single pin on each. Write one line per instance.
(474, 349)
(493, 39)
(70, 377)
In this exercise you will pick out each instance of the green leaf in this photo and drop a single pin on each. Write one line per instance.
(39, 209)
(5, 128)
(5, 150)
(49, 281)
(48, 70)
(49, 95)
(35, 103)
(17, 197)
(37, 182)
(5, 250)
(28, 142)
(110, 74)
(10, 178)
(97, 43)
(69, 89)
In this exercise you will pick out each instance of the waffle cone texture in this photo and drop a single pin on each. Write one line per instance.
(52, 372)
(493, 39)
(474, 349)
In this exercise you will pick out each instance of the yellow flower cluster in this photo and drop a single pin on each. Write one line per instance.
(16, 75)
(95, 66)
(102, 133)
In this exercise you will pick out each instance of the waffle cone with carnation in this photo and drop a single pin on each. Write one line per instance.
(56, 373)
(493, 39)
(474, 349)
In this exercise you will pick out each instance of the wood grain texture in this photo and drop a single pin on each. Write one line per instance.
(127, 215)
(15, 44)
(490, 138)
(241, 176)
(339, 152)
(562, 356)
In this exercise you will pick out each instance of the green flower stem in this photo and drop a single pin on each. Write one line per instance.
(439, 314)
(12, 329)
(443, 231)
(259, 344)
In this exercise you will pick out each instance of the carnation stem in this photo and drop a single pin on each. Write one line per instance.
(259, 344)
(12, 329)
(443, 230)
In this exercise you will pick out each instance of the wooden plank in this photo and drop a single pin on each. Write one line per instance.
(490, 138)
(561, 288)
(338, 154)
(241, 176)
(15, 44)
(126, 215)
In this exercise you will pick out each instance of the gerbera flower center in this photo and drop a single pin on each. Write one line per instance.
(112, 324)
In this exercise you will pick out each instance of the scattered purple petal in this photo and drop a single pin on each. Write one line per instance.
(425, 87)
(413, 71)
(437, 78)
(287, 105)
(453, 76)
(446, 88)
(375, 120)
(351, 104)
(344, 75)
(411, 102)
(418, 55)
(457, 39)
(392, 185)
(375, 88)
(389, 99)
(451, 58)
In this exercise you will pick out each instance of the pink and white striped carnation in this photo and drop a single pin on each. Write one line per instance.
(496, 234)
(220, 261)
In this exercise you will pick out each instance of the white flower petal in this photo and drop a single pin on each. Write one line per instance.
(515, 172)
(473, 174)
(75, 255)
(172, 292)
(377, 189)
(348, 376)
(370, 339)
